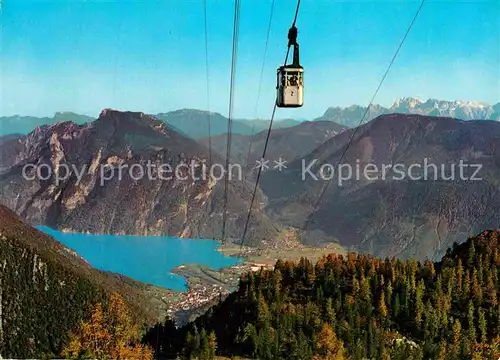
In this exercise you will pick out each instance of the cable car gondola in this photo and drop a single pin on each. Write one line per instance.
(290, 78)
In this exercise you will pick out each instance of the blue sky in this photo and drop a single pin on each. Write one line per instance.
(149, 56)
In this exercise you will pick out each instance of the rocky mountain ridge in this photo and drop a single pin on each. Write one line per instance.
(394, 215)
(285, 143)
(463, 110)
(68, 176)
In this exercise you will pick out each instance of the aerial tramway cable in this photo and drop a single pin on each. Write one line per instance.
(236, 23)
(318, 202)
(260, 80)
(209, 116)
(267, 139)
(350, 140)
(208, 85)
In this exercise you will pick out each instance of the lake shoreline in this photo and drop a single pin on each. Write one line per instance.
(175, 261)
(149, 259)
(206, 285)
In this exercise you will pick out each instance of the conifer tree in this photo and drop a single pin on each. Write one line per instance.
(328, 347)
(482, 325)
(110, 333)
(470, 322)
(212, 345)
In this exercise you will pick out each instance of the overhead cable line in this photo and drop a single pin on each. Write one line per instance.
(267, 138)
(208, 84)
(209, 115)
(323, 192)
(260, 80)
(236, 23)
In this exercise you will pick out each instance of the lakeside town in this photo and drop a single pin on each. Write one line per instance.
(205, 287)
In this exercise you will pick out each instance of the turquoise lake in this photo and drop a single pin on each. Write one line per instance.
(149, 259)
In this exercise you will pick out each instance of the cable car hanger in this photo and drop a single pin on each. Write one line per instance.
(290, 78)
(292, 41)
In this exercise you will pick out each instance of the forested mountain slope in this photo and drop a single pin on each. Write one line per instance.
(356, 308)
(46, 290)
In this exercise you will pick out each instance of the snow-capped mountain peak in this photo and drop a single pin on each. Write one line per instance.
(460, 109)
(409, 102)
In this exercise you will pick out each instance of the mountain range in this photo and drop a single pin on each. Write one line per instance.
(394, 215)
(95, 196)
(184, 121)
(463, 110)
(24, 124)
(386, 217)
(287, 143)
(194, 123)
(47, 289)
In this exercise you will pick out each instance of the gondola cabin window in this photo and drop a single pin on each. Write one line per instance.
(290, 86)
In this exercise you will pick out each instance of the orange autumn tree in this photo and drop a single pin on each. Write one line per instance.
(484, 351)
(328, 346)
(110, 333)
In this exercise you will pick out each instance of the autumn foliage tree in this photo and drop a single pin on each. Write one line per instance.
(328, 347)
(109, 333)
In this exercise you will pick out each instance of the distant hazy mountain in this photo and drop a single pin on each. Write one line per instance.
(463, 110)
(194, 123)
(25, 124)
(394, 216)
(260, 125)
(287, 143)
(189, 122)
(121, 204)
